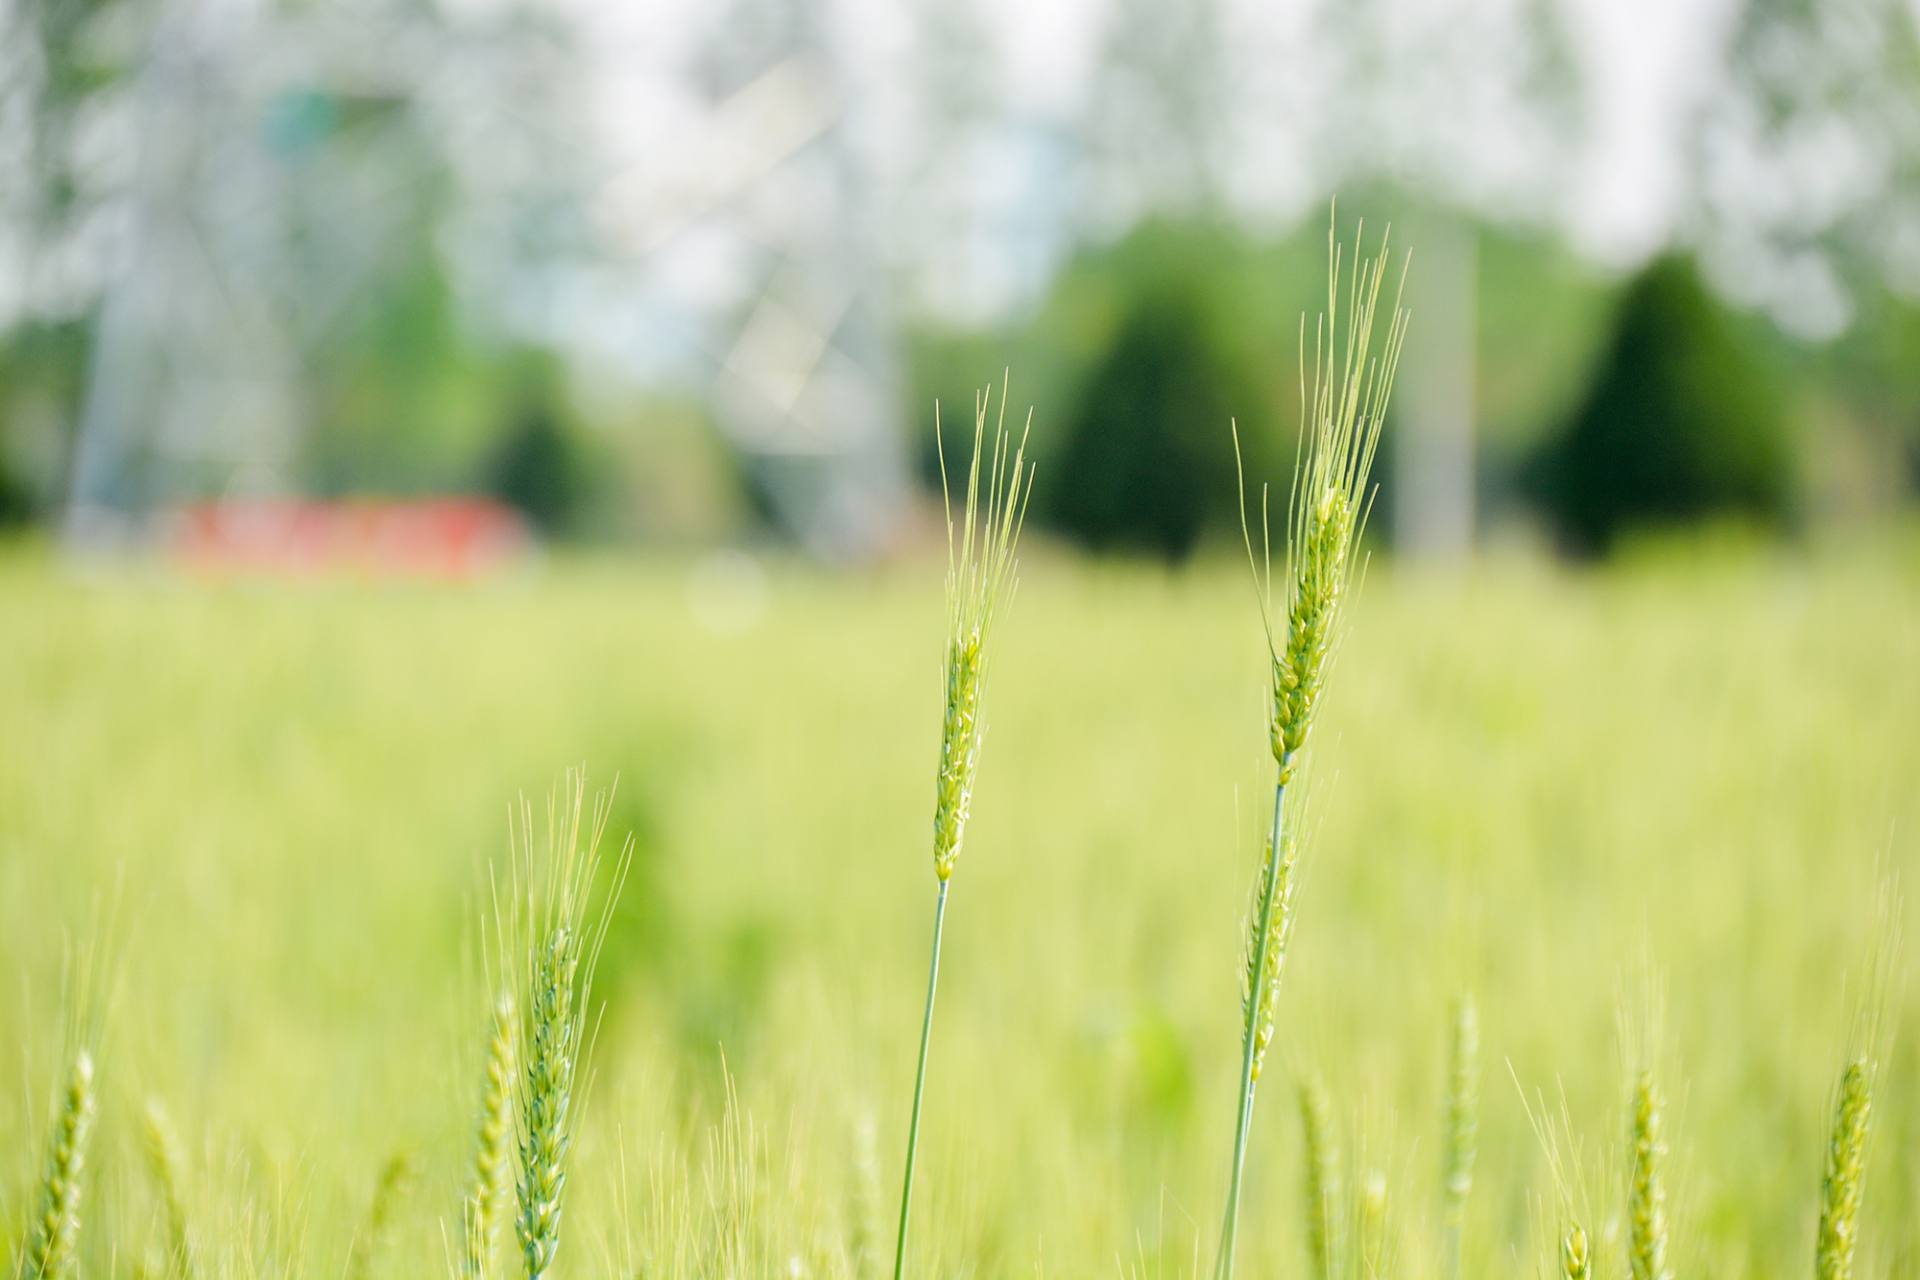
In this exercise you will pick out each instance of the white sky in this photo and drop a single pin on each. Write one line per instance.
(1644, 64)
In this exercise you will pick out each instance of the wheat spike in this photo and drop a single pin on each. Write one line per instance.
(480, 1210)
(56, 1232)
(1646, 1185)
(1845, 1180)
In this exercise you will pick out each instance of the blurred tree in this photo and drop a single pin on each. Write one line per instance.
(1148, 460)
(1682, 420)
(1808, 159)
(538, 467)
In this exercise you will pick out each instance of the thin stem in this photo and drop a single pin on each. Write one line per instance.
(1244, 1120)
(920, 1081)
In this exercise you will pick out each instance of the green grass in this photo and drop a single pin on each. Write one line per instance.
(1531, 781)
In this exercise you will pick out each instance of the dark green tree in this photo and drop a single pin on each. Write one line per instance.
(1148, 461)
(1682, 420)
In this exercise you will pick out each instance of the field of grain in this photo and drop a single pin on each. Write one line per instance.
(261, 813)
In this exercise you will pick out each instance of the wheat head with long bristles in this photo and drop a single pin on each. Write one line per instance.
(554, 940)
(980, 579)
(1344, 391)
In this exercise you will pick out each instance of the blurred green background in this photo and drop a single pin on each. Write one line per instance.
(699, 274)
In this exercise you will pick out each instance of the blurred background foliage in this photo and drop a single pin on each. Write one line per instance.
(726, 310)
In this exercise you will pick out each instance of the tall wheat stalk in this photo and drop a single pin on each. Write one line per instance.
(980, 581)
(1343, 397)
(552, 935)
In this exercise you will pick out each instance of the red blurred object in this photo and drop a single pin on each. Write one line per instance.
(444, 537)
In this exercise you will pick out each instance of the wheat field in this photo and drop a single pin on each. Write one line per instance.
(246, 832)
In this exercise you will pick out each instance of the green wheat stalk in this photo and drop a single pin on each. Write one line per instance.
(1321, 1177)
(1845, 1181)
(167, 1166)
(556, 947)
(980, 581)
(1843, 1184)
(1462, 1131)
(1343, 397)
(1646, 1183)
(56, 1232)
(480, 1209)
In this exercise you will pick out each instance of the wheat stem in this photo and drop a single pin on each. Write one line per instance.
(981, 569)
(920, 1081)
(1252, 1047)
(1463, 1099)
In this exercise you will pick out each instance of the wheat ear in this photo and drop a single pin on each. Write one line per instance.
(1343, 398)
(168, 1169)
(556, 947)
(980, 582)
(1646, 1183)
(487, 1181)
(1321, 1178)
(50, 1253)
(1845, 1180)
(1576, 1262)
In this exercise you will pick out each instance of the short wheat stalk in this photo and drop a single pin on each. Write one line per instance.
(1845, 1181)
(1646, 1184)
(556, 949)
(1321, 1178)
(50, 1252)
(1343, 405)
(1462, 1131)
(480, 1210)
(980, 581)
(167, 1167)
